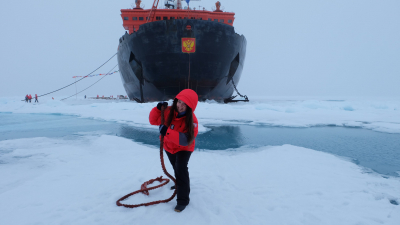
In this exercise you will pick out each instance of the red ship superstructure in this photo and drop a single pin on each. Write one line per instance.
(133, 18)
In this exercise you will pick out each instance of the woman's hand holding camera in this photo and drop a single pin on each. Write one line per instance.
(165, 104)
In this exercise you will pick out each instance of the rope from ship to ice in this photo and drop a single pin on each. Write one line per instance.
(81, 78)
(92, 84)
(100, 74)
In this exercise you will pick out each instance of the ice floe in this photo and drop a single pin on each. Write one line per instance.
(56, 181)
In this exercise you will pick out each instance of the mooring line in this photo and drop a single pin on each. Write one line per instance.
(90, 85)
(79, 79)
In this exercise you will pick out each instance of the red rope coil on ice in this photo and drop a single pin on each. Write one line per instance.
(144, 189)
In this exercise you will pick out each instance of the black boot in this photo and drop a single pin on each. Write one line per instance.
(179, 208)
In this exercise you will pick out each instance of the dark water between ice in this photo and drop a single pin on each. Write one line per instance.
(375, 150)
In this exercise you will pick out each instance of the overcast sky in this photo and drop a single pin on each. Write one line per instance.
(294, 47)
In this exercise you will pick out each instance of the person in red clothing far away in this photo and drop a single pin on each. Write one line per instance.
(36, 98)
(30, 98)
(180, 131)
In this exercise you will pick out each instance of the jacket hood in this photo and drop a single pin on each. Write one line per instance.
(189, 97)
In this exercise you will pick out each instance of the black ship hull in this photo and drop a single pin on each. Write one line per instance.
(154, 68)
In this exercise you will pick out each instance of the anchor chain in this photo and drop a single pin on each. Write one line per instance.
(230, 99)
(243, 96)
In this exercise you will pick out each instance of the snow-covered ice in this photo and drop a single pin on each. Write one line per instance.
(55, 181)
(64, 181)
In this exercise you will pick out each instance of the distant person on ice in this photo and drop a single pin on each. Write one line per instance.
(26, 98)
(36, 98)
(180, 131)
(30, 98)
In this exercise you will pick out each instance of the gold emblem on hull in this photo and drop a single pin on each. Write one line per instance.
(188, 45)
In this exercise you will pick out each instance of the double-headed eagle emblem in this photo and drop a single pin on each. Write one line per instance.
(188, 45)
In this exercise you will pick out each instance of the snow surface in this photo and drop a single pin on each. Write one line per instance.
(56, 181)
(60, 181)
(377, 115)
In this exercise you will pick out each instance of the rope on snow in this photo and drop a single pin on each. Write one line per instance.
(144, 189)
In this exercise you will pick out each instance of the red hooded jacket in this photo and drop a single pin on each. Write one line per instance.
(175, 139)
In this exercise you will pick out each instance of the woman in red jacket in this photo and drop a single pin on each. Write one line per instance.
(180, 131)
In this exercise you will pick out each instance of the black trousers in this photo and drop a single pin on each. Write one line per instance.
(179, 162)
